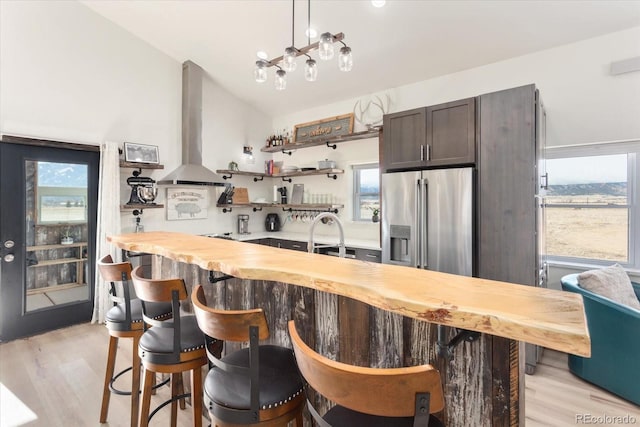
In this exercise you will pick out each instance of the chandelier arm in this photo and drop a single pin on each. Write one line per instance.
(293, 23)
(303, 50)
(308, 25)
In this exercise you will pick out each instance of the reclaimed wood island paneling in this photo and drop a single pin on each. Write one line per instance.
(404, 306)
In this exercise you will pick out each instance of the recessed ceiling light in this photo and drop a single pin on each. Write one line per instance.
(311, 32)
(378, 3)
(262, 54)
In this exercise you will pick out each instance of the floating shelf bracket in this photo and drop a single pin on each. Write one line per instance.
(334, 176)
(445, 349)
(334, 146)
(287, 152)
(256, 179)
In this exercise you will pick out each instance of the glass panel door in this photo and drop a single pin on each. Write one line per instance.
(49, 200)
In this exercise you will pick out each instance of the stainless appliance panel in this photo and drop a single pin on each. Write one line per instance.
(399, 212)
(448, 206)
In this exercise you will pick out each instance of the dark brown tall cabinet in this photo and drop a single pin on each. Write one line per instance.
(439, 135)
(510, 209)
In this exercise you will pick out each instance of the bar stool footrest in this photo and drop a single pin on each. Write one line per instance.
(114, 390)
(166, 402)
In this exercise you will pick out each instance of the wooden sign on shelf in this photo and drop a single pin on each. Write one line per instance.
(323, 129)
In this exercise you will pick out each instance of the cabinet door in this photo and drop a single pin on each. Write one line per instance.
(507, 186)
(404, 139)
(451, 130)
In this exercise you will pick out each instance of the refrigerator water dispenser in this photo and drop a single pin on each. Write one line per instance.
(400, 236)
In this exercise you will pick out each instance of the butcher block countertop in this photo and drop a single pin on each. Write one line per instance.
(546, 317)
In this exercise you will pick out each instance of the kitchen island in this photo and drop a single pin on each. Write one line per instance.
(481, 387)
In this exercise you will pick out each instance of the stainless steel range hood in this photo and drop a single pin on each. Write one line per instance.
(191, 172)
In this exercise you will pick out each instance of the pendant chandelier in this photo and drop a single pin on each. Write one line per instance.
(287, 62)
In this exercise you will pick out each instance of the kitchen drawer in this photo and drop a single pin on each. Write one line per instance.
(290, 244)
(371, 255)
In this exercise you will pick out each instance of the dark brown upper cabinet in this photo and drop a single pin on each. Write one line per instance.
(439, 135)
(405, 136)
(451, 130)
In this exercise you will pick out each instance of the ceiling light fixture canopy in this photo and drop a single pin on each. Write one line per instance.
(287, 62)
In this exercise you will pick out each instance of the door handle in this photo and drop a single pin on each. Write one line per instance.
(9, 257)
(544, 186)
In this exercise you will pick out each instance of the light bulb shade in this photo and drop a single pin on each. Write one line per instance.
(260, 72)
(311, 70)
(345, 60)
(325, 46)
(281, 80)
(289, 59)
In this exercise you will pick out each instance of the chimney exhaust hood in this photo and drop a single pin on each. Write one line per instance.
(191, 172)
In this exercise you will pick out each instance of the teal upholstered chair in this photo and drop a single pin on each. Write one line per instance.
(614, 364)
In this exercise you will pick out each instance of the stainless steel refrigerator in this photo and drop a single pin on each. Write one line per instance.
(427, 219)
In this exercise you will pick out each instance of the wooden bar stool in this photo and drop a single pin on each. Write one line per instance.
(123, 320)
(170, 347)
(372, 397)
(256, 386)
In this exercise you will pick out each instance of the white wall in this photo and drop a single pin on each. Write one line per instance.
(584, 103)
(68, 74)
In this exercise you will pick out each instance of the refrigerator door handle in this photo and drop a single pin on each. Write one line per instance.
(424, 224)
(418, 225)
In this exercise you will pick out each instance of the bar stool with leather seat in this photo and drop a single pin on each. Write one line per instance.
(372, 397)
(255, 386)
(123, 320)
(170, 346)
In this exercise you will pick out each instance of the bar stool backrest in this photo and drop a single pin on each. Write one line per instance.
(161, 290)
(227, 325)
(389, 392)
(118, 274)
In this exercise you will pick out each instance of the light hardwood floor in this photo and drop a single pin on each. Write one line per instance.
(55, 379)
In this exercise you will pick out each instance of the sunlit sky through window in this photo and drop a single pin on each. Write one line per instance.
(587, 170)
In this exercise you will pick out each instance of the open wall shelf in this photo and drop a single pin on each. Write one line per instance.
(259, 176)
(330, 142)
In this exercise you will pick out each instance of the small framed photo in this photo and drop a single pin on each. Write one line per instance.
(140, 153)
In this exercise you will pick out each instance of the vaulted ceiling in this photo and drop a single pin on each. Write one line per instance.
(400, 43)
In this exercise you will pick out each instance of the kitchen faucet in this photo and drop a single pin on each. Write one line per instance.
(341, 247)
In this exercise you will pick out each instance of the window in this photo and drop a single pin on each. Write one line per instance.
(591, 205)
(61, 192)
(366, 191)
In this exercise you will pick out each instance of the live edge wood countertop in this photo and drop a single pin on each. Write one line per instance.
(546, 317)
